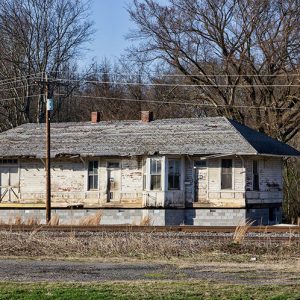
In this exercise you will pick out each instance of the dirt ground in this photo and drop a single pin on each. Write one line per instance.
(253, 273)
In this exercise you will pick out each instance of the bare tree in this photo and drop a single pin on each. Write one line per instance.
(38, 36)
(239, 53)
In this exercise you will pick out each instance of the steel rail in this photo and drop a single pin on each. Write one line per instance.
(137, 228)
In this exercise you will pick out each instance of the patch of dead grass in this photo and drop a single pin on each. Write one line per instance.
(92, 220)
(241, 231)
(142, 246)
(146, 221)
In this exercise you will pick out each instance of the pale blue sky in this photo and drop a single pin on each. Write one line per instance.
(112, 23)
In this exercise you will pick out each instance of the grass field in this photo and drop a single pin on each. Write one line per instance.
(146, 290)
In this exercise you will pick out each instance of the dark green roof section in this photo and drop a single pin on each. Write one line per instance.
(263, 143)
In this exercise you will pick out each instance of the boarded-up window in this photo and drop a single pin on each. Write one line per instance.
(226, 174)
(93, 175)
(255, 175)
(200, 164)
(113, 165)
(174, 174)
(155, 174)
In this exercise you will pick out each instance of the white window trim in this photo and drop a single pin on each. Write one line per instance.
(232, 177)
(148, 174)
(87, 176)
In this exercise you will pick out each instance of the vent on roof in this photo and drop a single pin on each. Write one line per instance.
(95, 117)
(146, 116)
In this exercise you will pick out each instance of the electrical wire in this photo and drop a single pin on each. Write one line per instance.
(193, 75)
(178, 85)
(178, 103)
(18, 87)
(19, 78)
(12, 99)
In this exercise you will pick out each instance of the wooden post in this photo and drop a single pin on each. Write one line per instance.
(47, 162)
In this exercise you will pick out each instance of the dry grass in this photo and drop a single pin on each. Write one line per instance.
(146, 221)
(241, 231)
(92, 220)
(151, 245)
(18, 220)
(54, 220)
(33, 220)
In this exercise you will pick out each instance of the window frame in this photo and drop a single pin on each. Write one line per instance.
(156, 174)
(255, 176)
(144, 174)
(171, 161)
(200, 164)
(226, 174)
(113, 164)
(93, 174)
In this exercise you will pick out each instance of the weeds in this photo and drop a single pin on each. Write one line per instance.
(241, 231)
(147, 245)
(92, 220)
(18, 220)
(146, 221)
(33, 220)
(54, 220)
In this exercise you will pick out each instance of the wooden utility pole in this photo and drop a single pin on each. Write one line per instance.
(47, 162)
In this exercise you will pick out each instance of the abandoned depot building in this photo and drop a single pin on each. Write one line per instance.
(201, 171)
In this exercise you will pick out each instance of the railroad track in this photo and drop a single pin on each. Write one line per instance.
(156, 229)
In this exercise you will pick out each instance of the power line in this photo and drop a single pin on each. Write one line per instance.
(15, 98)
(19, 79)
(177, 85)
(178, 103)
(193, 75)
(18, 87)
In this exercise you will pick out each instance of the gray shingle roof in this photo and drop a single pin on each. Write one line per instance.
(195, 136)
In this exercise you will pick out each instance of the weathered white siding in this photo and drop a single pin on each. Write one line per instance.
(70, 183)
(67, 181)
(132, 180)
(32, 181)
(270, 181)
(234, 197)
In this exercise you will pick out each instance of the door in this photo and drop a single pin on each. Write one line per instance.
(113, 181)
(9, 184)
(200, 176)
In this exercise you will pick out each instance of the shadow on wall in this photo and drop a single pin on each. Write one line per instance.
(222, 217)
(179, 216)
(265, 216)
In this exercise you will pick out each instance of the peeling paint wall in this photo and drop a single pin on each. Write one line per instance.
(67, 181)
(270, 181)
(233, 197)
(70, 183)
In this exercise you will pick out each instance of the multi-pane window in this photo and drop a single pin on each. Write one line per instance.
(226, 174)
(174, 174)
(155, 174)
(255, 175)
(93, 175)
